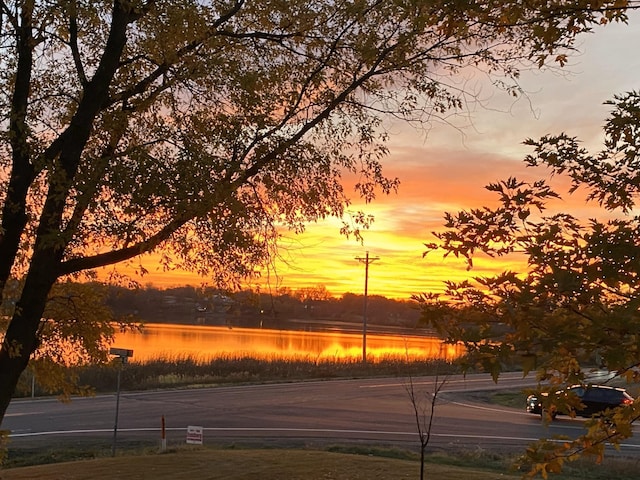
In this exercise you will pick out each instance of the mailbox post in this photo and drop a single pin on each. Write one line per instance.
(123, 354)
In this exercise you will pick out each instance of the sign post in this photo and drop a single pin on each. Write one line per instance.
(124, 355)
(194, 435)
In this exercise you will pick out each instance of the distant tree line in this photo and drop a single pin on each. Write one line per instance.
(189, 304)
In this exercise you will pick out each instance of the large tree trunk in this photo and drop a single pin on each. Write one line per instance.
(63, 155)
(21, 338)
(14, 217)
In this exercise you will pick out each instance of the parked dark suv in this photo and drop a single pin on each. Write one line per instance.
(594, 399)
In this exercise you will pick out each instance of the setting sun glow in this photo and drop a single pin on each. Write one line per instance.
(445, 169)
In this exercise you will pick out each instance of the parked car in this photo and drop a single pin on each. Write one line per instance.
(595, 399)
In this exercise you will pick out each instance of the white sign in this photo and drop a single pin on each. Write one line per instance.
(194, 435)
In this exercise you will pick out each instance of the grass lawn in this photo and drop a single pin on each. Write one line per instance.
(207, 463)
(267, 464)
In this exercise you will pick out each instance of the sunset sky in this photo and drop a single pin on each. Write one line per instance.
(446, 170)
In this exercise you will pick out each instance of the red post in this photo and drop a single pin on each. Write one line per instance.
(163, 438)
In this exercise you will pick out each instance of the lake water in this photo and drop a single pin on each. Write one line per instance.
(206, 342)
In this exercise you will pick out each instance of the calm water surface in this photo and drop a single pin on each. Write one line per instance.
(206, 342)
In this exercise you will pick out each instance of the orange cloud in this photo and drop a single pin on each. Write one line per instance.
(433, 181)
(404, 222)
(447, 170)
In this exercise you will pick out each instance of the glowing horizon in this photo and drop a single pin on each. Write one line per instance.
(446, 170)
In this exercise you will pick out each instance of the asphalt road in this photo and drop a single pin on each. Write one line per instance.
(369, 411)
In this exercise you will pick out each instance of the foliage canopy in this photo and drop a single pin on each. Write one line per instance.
(576, 308)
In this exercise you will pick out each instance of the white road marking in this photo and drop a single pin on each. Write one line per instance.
(295, 430)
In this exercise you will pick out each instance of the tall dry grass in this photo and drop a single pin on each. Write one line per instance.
(185, 371)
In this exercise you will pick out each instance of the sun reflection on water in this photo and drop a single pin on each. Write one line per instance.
(158, 341)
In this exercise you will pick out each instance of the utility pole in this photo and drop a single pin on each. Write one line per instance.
(367, 260)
